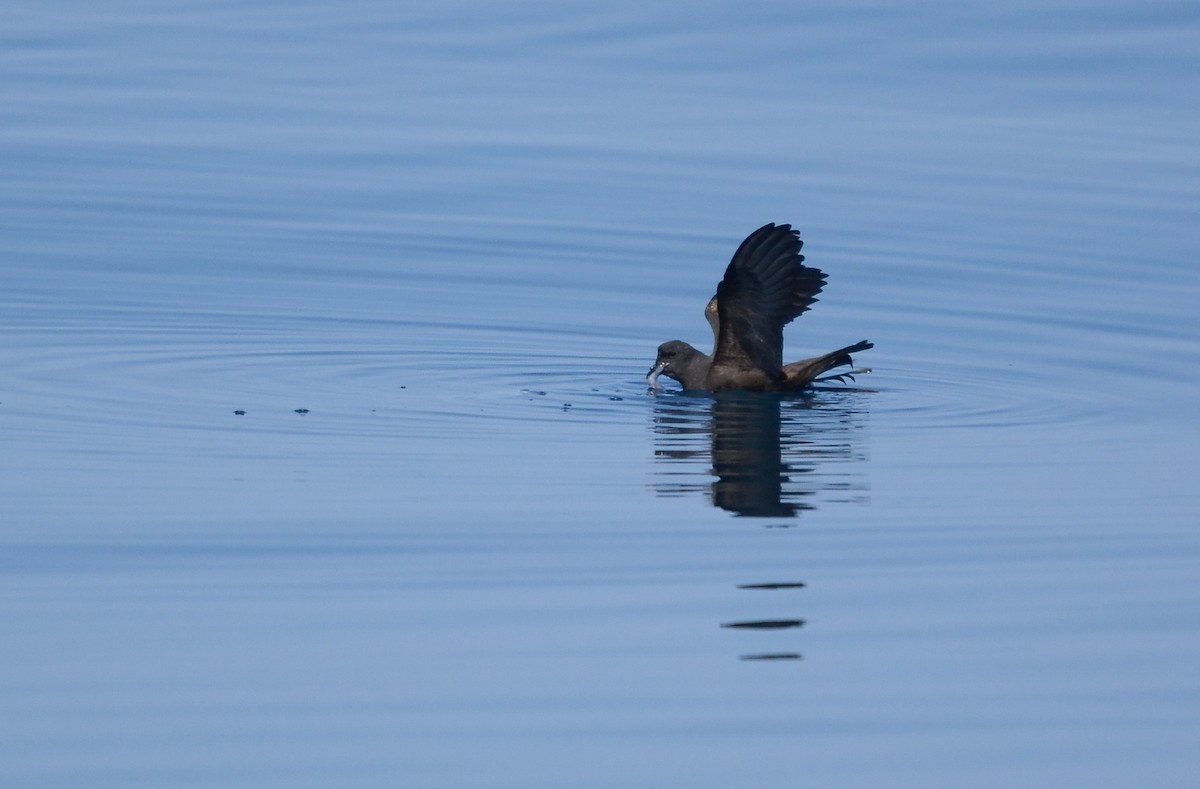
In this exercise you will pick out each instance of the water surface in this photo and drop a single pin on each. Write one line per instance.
(328, 456)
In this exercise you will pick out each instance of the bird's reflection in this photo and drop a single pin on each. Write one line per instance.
(766, 456)
(770, 454)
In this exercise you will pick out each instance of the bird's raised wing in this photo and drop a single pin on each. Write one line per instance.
(765, 286)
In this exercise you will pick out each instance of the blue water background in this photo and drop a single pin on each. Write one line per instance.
(429, 250)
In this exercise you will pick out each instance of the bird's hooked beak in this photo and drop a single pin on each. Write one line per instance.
(655, 372)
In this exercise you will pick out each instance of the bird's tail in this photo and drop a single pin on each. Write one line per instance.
(801, 374)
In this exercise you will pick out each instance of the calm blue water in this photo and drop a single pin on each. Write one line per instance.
(452, 541)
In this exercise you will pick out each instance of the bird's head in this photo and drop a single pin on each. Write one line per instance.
(671, 356)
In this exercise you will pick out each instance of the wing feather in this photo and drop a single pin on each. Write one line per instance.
(766, 286)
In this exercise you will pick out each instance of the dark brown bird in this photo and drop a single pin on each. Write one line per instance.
(765, 286)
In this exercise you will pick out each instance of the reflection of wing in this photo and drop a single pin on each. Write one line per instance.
(747, 456)
(766, 285)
